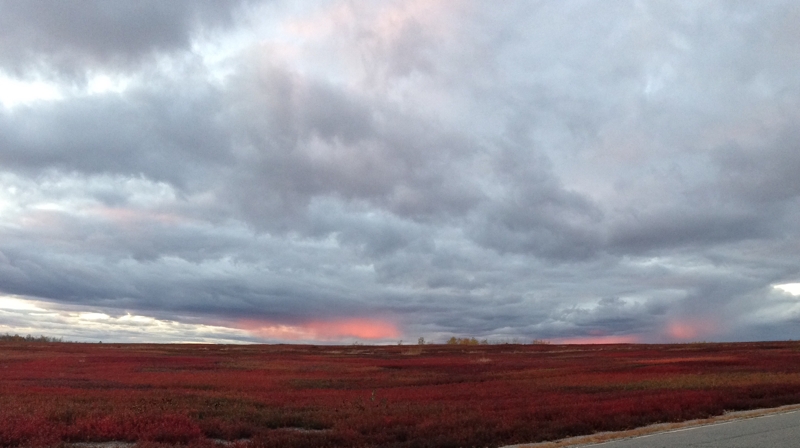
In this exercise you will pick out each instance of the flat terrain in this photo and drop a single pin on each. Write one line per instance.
(396, 396)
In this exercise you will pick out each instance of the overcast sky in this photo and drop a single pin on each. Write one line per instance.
(376, 171)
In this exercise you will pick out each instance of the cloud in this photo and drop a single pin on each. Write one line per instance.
(791, 288)
(96, 35)
(148, 132)
(24, 316)
(337, 171)
(600, 340)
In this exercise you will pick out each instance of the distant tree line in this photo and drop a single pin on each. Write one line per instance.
(466, 341)
(28, 338)
(473, 341)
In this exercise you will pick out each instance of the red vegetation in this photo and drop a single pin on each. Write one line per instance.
(397, 396)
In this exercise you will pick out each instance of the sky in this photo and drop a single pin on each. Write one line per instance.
(340, 171)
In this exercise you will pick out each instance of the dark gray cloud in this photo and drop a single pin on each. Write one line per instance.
(298, 138)
(149, 133)
(73, 37)
(531, 170)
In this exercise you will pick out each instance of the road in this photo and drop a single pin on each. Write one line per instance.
(773, 431)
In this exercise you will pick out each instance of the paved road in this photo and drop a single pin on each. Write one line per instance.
(771, 431)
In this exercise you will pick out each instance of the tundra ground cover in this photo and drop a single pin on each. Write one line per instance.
(396, 396)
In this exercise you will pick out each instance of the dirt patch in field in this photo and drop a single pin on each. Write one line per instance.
(652, 429)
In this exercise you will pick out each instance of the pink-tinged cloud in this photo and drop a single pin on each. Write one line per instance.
(325, 330)
(129, 216)
(630, 339)
(44, 220)
(386, 21)
(61, 218)
(367, 39)
(690, 329)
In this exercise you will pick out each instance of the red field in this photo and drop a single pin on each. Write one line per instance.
(396, 396)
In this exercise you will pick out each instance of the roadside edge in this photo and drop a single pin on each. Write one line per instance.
(602, 437)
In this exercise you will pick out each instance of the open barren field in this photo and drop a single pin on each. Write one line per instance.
(395, 396)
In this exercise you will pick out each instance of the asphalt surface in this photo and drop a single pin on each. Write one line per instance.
(769, 431)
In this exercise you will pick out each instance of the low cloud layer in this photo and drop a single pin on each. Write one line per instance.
(332, 171)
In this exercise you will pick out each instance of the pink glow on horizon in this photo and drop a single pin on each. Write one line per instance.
(359, 328)
(690, 329)
(326, 330)
(630, 339)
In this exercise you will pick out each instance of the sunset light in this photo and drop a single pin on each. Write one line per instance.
(690, 330)
(367, 329)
